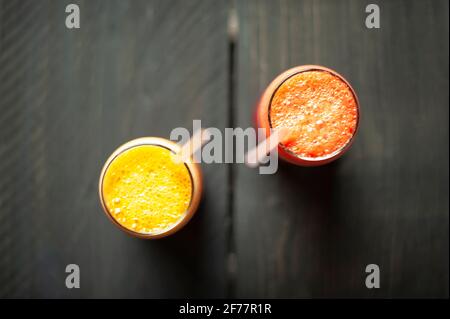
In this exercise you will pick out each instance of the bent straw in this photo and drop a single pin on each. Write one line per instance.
(257, 154)
(189, 148)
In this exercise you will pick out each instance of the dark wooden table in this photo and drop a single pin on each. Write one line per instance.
(135, 68)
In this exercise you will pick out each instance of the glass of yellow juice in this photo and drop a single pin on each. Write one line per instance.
(146, 191)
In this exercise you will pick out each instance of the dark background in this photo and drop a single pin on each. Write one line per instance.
(68, 98)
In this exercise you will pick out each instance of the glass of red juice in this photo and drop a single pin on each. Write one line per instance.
(318, 106)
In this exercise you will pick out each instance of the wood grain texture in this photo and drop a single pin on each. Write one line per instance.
(68, 99)
(310, 232)
(136, 68)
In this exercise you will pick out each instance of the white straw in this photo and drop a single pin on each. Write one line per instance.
(189, 148)
(260, 151)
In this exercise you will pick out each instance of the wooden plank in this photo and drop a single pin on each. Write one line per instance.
(68, 99)
(310, 232)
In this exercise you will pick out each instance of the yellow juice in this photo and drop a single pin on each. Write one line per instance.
(145, 190)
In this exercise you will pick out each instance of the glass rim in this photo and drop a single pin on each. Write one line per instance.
(282, 78)
(194, 173)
